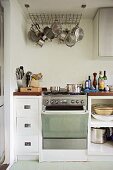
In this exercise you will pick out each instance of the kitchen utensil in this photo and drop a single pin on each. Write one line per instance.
(40, 40)
(70, 39)
(54, 88)
(19, 72)
(78, 88)
(48, 33)
(71, 88)
(63, 35)
(28, 78)
(32, 36)
(56, 28)
(79, 34)
(98, 135)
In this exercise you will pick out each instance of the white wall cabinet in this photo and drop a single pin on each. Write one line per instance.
(27, 111)
(103, 151)
(103, 32)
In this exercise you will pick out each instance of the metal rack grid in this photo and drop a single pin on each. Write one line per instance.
(48, 19)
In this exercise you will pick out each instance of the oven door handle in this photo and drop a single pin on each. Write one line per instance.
(64, 112)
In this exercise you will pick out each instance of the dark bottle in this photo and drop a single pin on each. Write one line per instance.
(105, 80)
(89, 82)
(95, 80)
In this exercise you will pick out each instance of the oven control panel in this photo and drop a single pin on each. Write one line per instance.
(65, 100)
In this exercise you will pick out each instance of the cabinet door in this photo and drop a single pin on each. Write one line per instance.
(106, 32)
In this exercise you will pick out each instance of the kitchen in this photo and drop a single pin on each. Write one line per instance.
(68, 65)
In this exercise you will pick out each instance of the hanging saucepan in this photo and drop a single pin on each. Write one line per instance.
(79, 34)
(70, 39)
(40, 41)
(32, 36)
(33, 33)
(62, 36)
(56, 28)
(78, 31)
(48, 34)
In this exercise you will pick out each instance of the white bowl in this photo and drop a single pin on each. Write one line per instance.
(103, 117)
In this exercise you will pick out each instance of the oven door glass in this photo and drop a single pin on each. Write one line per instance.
(65, 125)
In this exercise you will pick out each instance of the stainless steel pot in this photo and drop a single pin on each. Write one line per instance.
(98, 135)
(54, 88)
(71, 88)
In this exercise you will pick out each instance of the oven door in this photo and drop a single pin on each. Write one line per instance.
(64, 129)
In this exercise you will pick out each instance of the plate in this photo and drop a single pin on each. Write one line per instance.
(103, 117)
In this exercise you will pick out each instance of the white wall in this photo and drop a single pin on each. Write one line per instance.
(60, 64)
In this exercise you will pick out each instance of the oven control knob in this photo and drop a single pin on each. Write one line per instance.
(56, 101)
(82, 101)
(52, 101)
(77, 101)
(47, 101)
(72, 101)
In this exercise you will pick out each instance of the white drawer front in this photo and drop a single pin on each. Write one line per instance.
(26, 107)
(27, 144)
(27, 126)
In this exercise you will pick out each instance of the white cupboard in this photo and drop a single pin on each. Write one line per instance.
(27, 111)
(103, 32)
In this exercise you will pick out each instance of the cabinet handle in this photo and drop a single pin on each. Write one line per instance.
(26, 125)
(27, 107)
(27, 143)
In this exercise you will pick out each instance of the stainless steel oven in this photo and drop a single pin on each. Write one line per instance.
(64, 121)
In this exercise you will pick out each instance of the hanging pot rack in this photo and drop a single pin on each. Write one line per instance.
(52, 26)
(48, 19)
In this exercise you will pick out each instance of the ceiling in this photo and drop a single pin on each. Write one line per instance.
(65, 6)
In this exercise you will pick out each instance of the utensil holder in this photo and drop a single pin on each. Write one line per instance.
(21, 83)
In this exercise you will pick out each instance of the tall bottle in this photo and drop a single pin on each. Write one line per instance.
(105, 80)
(95, 80)
(89, 82)
(101, 82)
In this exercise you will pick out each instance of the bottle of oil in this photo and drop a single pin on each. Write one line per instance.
(105, 80)
(101, 85)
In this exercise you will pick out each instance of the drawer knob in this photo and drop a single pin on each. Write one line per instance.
(26, 125)
(27, 143)
(27, 107)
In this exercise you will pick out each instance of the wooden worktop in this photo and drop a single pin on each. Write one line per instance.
(100, 93)
(27, 93)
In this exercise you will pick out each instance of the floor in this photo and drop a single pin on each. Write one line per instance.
(34, 165)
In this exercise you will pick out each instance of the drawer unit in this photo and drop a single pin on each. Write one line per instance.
(26, 107)
(27, 110)
(27, 126)
(27, 145)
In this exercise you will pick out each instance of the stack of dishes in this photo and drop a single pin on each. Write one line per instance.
(103, 112)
